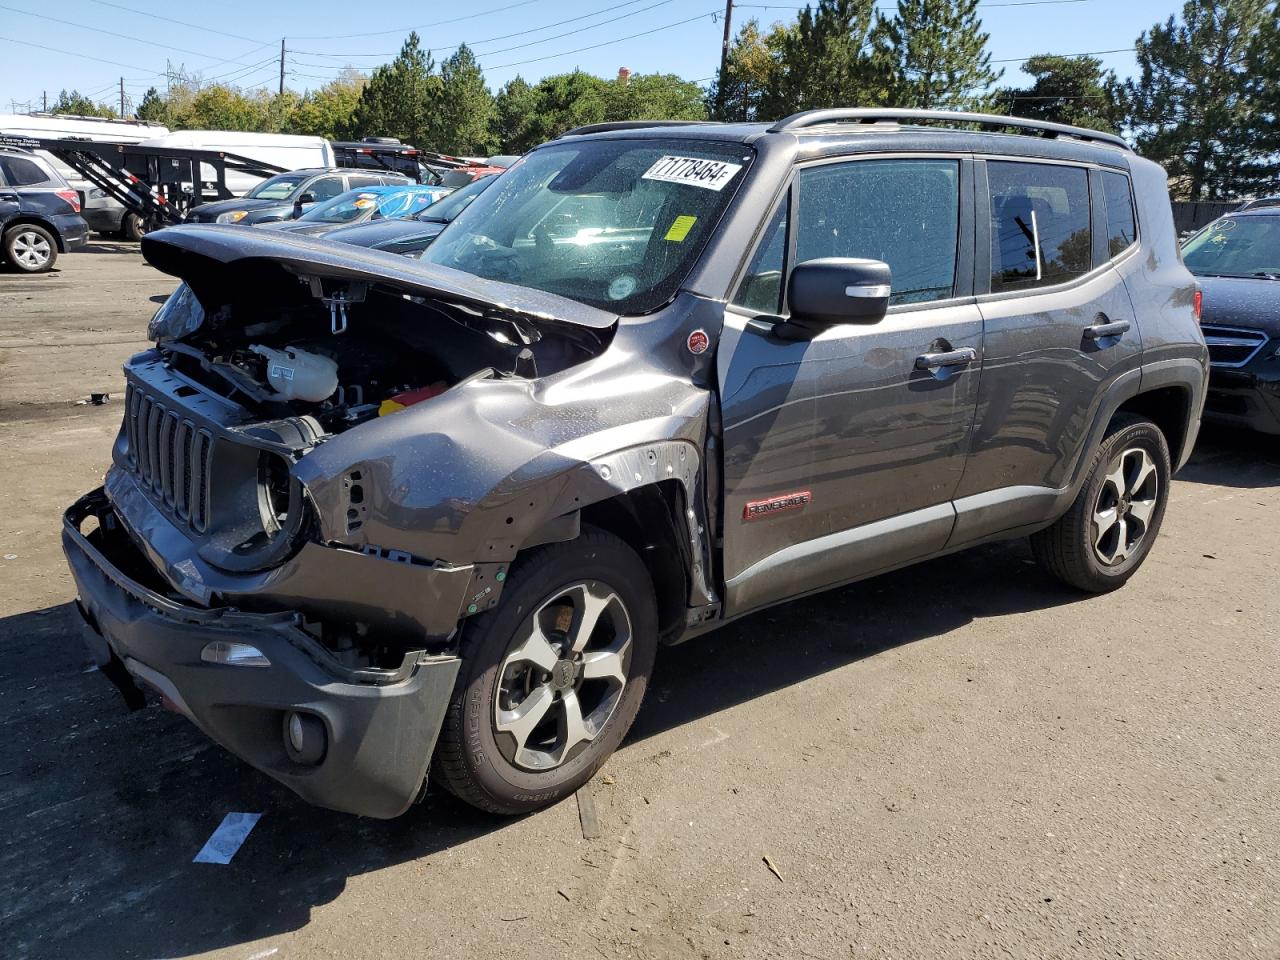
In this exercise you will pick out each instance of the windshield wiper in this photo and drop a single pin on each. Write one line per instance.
(1266, 274)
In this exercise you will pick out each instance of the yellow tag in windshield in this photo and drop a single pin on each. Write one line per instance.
(680, 228)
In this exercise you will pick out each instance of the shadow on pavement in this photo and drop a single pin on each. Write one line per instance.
(103, 810)
(1229, 457)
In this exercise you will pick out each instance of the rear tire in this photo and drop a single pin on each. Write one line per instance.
(132, 227)
(30, 248)
(1103, 539)
(540, 703)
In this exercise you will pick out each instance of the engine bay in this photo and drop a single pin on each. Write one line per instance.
(348, 352)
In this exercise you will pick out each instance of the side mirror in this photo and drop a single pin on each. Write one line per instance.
(825, 293)
(306, 198)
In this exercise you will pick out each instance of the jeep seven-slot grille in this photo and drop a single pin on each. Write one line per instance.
(170, 455)
(1232, 346)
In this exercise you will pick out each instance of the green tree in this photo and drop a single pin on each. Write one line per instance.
(1190, 107)
(752, 74)
(400, 97)
(219, 107)
(939, 53)
(1073, 90)
(152, 107)
(653, 96)
(328, 111)
(75, 103)
(831, 59)
(559, 103)
(514, 105)
(465, 112)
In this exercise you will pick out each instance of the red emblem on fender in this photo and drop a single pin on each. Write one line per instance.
(755, 509)
(698, 342)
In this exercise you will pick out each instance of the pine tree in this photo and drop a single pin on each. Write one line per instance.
(1074, 90)
(1191, 107)
(514, 105)
(830, 59)
(940, 54)
(152, 107)
(400, 98)
(464, 110)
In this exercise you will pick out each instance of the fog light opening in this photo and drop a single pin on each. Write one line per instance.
(305, 739)
(234, 654)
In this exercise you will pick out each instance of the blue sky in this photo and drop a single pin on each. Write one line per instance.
(241, 44)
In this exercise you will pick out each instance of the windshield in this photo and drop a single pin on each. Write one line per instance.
(277, 188)
(452, 205)
(363, 205)
(616, 224)
(1236, 247)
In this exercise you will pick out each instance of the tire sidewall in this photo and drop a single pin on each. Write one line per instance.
(11, 237)
(1147, 436)
(612, 564)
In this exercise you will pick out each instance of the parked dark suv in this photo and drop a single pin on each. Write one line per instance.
(287, 195)
(1237, 261)
(39, 213)
(367, 511)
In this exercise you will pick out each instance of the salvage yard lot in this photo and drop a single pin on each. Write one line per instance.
(960, 759)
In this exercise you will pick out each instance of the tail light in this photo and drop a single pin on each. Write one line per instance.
(1197, 303)
(71, 197)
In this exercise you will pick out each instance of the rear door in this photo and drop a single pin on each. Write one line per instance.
(1059, 329)
(841, 453)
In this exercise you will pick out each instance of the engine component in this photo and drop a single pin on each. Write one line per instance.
(298, 375)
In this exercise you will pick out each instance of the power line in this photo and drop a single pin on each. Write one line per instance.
(82, 56)
(508, 36)
(182, 23)
(606, 43)
(421, 26)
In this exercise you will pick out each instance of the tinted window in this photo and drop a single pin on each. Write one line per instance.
(361, 181)
(326, 188)
(1039, 224)
(904, 212)
(20, 172)
(761, 288)
(1121, 229)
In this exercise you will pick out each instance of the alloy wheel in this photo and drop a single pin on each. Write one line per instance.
(1128, 498)
(563, 677)
(30, 249)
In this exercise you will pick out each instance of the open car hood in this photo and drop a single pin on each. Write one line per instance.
(225, 263)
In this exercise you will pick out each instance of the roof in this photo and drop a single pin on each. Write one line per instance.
(833, 132)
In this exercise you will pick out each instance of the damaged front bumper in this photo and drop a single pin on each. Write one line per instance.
(379, 725)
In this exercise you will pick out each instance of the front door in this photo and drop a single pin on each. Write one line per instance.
(842, 453)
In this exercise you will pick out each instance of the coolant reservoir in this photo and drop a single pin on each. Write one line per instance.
(298, 375)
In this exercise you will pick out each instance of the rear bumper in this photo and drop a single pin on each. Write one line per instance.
(106, 218)
(1248, 398)
(72, 229)
(380, 725)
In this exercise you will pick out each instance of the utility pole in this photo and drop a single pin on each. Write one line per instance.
(44, 101)
(728, 33)
(282, 65)
(122, 98)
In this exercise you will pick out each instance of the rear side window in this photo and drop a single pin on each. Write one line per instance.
(761, 289)
(1121, 228)
(1040, 231)
(357, 182)
(903, 212)
(21, 172)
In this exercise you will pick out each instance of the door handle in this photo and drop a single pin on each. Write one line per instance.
(1108, 328)
(9, 197)
(950, 358)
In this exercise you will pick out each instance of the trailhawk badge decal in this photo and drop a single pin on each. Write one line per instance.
(756, 509)
(698, 342)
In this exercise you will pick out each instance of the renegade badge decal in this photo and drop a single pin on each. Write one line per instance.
(755, 509)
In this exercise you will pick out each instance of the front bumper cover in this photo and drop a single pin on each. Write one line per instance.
(1248, 398)
(381, 724)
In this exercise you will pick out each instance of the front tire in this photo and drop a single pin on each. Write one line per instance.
(1106, 535)
(552, 678)
(133, 227)
(30, 248)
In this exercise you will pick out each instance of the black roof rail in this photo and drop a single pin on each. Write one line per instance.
(631, 125)
(813, 118)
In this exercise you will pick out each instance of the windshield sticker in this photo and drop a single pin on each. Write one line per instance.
(693, 172)
(622, 287)
(680, 228)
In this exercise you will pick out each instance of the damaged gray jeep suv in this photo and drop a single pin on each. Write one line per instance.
(372, 517)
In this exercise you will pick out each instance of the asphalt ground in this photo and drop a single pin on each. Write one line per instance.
(962, 759)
